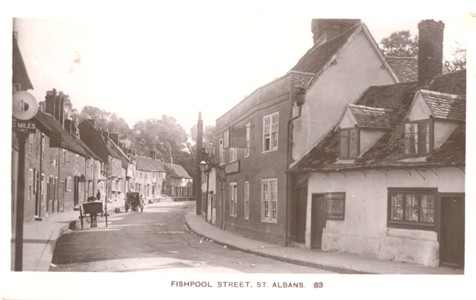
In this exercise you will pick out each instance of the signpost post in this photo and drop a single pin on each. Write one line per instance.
(24, 109)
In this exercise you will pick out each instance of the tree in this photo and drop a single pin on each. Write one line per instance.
(400, 44)
(458, 60)
(106, 120)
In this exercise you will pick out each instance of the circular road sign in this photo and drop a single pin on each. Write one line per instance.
(24, 105)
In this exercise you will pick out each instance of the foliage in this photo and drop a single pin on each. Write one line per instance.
(458, 61)
(106, 120)
(400, 44)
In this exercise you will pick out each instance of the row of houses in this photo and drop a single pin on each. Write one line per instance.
(350, 151)
(67, 162)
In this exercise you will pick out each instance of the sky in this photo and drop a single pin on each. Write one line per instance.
(176, 64)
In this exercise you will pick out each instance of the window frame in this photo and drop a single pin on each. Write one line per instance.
(349, 142)
(269, 213)
(246, 187)
(233, 199)
(273, 135)
(334, 215)
(248, 140)
(428, 137)
(233, 154)
(221, 150)
(408, 224)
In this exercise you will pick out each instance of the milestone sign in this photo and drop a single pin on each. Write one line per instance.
(23, 110)
(24, 106)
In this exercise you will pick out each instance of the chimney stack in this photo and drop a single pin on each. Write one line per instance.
(68, 125)
(114, 136)
(326, 29)
(50, 101)
(430, 50)
(153, 154)
(105, 135)
(55, 105)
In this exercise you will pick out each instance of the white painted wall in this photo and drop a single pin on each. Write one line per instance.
(364, 228)
(443, 130)
(358, 67)
(368, 138)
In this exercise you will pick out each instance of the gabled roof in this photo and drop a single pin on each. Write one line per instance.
(176, 171)
(388, 151)
(116, 152)
(406, 68)
(450, 83)
(319, 55)
(445, 106)
(59, 137)
(149, 164)
(19, 72)
(370, 117)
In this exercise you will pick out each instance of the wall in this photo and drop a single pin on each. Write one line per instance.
(357, 67)
(364, 229)
(274, 97)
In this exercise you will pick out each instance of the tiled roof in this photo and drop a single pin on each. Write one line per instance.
(59, 137)
(318, 56)
(148, 164)
(370, 117)
(118, 153)
(176, 171)
(406, 68)
(388, 151)
(19, 72)
(445, 106)
(451, 83)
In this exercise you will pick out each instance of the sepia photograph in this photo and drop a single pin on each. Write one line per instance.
(222, 150)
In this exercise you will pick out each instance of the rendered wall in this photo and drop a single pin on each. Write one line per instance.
(364, 228)
(357, 67)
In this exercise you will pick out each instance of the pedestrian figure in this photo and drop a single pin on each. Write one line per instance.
(98, 195)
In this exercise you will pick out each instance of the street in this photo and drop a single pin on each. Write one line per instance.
(156, 240)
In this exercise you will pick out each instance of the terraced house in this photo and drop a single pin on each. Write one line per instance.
(280, 122)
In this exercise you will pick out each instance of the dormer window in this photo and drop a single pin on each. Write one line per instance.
(418, 138)
(349, 143)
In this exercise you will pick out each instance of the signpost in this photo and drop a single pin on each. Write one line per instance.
(23, 110)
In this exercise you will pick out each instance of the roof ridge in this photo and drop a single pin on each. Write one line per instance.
(453, 96)
(370, 107)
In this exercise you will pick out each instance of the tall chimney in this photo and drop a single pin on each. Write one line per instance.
(326, 29)
(153, 154)
(430, 50)
(68, 125)
(114, 136)
(50, 102)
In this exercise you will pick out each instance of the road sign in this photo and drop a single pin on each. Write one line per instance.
(24, 105)
(23, 126)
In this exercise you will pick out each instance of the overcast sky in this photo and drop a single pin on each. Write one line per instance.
(176, 64)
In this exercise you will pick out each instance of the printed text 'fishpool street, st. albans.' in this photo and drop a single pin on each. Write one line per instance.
(245, 284)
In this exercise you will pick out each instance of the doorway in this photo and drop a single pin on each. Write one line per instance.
(452, 230)
(318, 221)
(301, 210)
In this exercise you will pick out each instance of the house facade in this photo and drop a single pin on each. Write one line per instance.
(258, 139)
(150, 177)
(178, 184)
(388, 180)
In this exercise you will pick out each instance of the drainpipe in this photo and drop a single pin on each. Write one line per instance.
(40, 185)
(299, 103)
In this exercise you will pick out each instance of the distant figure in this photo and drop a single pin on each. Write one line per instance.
(98, 195)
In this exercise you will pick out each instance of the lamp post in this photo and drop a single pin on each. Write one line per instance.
(203, 169)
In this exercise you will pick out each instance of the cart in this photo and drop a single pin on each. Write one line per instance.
(134, 201)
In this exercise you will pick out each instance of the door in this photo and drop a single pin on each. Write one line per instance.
(452, 230)
(301, 208)
(318, 221)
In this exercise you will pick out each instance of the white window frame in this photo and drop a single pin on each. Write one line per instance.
(269, 200)
(233, 199)
(221, 151)
(233, 154)
(247, 200)
(30, 183)
(270, 132)
(68, 183)
(248, 140)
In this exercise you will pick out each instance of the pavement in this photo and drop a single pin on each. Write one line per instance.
(331, 261)
(40, 237)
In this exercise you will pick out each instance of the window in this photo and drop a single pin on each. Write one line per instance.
(269, 200)
(247, 200)
(30, 143)
(418, 138)
(248, 140)
(222, 152)
(349, 143)
(68, 184)
(270, 132)
(411, 208)
(233, 154)
(335, 206)
(233, 199)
